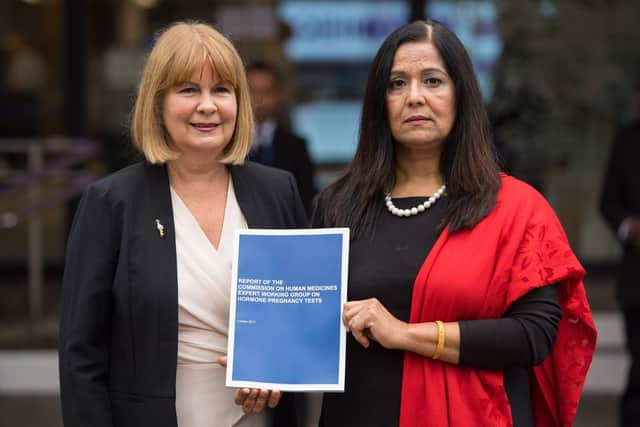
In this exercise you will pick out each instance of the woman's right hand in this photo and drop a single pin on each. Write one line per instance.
(370, 320)
(253, 400)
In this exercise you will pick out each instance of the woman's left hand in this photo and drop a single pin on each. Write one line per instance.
(369, 319)
(253, 400)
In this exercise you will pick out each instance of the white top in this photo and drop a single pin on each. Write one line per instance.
(204, 279)
(264, 134)
(623, 230)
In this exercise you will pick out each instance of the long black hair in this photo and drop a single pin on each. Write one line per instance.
(468, 160)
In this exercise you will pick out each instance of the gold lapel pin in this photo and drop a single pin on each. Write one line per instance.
(160, 227)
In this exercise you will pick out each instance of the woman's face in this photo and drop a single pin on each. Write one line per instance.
(200, 114)
(420, 97)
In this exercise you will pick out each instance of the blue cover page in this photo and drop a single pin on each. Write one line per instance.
(285, 326)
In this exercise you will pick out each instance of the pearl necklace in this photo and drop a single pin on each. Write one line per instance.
(417, 209)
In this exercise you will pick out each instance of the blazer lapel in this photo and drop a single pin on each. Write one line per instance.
(157, 214)
(247, 197)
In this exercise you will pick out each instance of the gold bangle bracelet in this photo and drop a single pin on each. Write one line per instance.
(441, 338)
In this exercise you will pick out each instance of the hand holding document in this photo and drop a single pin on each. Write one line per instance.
(285, 327)
(254, 400)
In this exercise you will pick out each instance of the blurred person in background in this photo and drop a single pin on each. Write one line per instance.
(274, 143)
(466, 303)
(146, 288)
(620, 206)
(23, 82)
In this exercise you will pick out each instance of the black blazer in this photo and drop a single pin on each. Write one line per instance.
(621, 199)
(290, 153)
(119, 312)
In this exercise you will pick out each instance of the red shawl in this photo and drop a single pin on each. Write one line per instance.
(477, 274)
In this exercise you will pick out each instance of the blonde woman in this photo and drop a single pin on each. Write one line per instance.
(145, 298)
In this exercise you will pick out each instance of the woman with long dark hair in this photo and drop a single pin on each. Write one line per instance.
(466, 303)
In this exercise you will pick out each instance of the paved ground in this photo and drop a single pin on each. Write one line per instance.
(44, 411)
(30, 411)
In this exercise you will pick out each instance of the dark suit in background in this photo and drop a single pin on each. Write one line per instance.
(119, 312)
(620, 204)
(275, 144)
(288, 151)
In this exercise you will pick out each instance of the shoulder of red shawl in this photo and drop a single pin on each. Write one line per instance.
(518, 198)
(512, 187)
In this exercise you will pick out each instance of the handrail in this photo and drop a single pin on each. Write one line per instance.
(71, 153)
(76, 151)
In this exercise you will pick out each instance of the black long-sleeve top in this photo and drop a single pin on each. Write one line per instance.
(384, 266)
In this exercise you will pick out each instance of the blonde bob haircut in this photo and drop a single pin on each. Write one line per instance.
(182, 49)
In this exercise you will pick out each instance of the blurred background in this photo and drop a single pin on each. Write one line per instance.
(556, 76)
